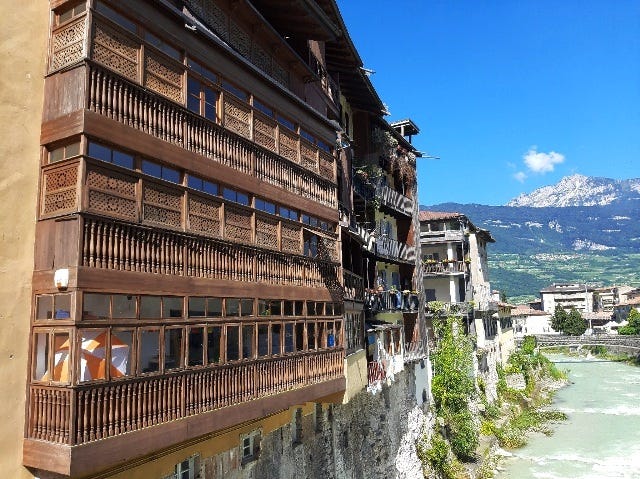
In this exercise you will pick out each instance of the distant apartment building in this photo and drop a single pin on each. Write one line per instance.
(528, 320)
(204, 203)
(568, 295)
(606, 298)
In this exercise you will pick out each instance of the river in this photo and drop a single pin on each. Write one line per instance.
(601, 438)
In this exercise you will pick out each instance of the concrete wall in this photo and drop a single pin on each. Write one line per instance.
(24, 27)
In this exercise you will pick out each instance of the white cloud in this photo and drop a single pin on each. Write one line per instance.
(520, 176)
(542, 162)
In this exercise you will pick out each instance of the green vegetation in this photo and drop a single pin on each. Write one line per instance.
(570, 323)
(437, 454)
(523, 407)
(634, 323)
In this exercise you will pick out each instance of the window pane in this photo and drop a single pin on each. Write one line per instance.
(229, 194)
(288, 308)
(196, 349)
(122, 159)
(214, 334)
(307, 136)
(320, 334)
(173, 348)
(121, 349)
(56, 155)
(151, 168)
(41, 359)
(95, 306)
(299, 306)
(44, 307)
(214, 307)
(170, 174)
(93, 345)
(172, 307)
(72, 149)
(311, 335)
(197, 307)
(233, 353)
(285, 122)
(61, 359)
(247, 307)
(62, 306)
(124, 306)
(210, 111)
(193, 103)
(288, 338)
(210, 188)
(99, 152)
(233, 307)
(235, 90)
(276, 307)
(150, 307)
(311, 308)
(263, 108)
(338, 333)
(263, 339)
(275, 338)
(299, 336)
(247, 341)
(116, 17)
(148, 351)
(242, 199)
(194, 182)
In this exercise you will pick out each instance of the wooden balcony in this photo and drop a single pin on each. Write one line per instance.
(445, 268)
(395, 250)
(126, 102)
(394, 200)
(84, 429)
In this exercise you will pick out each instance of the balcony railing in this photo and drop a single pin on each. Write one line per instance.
(383, 301)
(125, 102)
(439, 268)
(329, 86)
(353, 286)
(97, 411)
(394, 200)
(113, 245)
(395, 250)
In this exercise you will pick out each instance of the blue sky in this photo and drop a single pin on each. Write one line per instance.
(510, 94)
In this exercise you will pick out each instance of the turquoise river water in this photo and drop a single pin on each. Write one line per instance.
(601, 438)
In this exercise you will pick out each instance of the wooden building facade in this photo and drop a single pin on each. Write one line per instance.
(204, 253)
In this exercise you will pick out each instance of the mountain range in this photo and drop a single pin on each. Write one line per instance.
(583, 229)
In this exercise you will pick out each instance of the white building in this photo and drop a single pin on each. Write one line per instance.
(567, 296)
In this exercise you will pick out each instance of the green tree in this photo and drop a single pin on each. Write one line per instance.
(634, 323)
(559, 319)
(575, 324)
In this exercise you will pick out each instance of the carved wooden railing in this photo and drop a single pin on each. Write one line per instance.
(353, 286)
(396, 250)
(108, 244)
(441, 267)
(98, 411)
(125, 102)
(394, 200)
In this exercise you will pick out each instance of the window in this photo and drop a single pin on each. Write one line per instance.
(149, 350)
(248, 332)
(276, 338)
(202, 71)
(110, 155)
(231, 88)
(265, 206)
(286, 123)
(185, 469)
(201, 99)
(287, 213)
(288, 338)
(202, 185)
(250, 446)
(195, 346)
(311, 335)
(52, 356)
(64, 152)
(214, 335)
(56, 306)
(235, 196)
(263, 339)
(310, 244)
(157, 307)
(116, 17)
(263, 108)
(173, 347)
(93, 354)
(163, 46)
(233, 342)
(323, 146)
(123, 306)
(69, 13)
(121, 353)
(160, 171)
(299, 336)
(310, 220)
(307, 136)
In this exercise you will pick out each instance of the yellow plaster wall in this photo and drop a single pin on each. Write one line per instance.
(24, 26)
(357, 378)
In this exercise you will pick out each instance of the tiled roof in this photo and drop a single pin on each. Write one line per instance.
(437, 215)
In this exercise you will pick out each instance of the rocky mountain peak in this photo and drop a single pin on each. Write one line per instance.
(580, 190)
